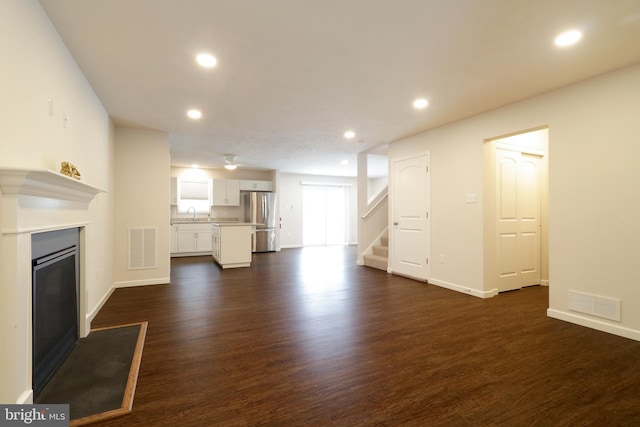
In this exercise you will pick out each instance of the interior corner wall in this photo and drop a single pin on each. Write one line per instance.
(364, 237)
(142, 201)
(41, 84)
(593, 198)
(377, 220)
(290, 200)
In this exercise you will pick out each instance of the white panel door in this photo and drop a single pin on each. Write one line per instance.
(410, 216)
(518, 185)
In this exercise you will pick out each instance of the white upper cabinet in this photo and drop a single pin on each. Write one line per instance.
(255, 185)
(226, 192)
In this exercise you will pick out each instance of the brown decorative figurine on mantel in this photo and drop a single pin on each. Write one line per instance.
(69, 169)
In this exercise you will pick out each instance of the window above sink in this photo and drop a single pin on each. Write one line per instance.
(194, 194)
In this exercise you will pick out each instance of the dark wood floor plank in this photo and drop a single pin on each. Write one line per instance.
(306, 337)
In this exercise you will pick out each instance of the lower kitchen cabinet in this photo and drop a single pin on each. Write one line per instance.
(192, 239)
(231, 245)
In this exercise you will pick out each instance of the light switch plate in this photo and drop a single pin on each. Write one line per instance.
(471, 198)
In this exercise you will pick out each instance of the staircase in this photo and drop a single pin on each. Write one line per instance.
(380, 257)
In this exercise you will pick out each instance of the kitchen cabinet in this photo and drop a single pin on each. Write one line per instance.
(231, 245)
(256, 185)
(193, 239)
(226, 192)
(215, 243)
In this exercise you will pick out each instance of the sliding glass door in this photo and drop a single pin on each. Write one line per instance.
(324, 215)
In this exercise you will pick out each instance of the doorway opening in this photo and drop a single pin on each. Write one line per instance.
(324, 215)
(516, 211)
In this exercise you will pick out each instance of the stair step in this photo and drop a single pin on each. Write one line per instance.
(376, 261)
(381, 250)
(384, 240)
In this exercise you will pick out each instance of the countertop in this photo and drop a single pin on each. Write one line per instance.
(213, 221)
(190, 221)
(235, 224)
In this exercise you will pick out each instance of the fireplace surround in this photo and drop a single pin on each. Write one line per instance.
(32, 202)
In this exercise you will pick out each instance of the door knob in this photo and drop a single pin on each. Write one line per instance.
(395, 223)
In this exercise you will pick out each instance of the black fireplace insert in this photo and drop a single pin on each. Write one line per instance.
(54, 311)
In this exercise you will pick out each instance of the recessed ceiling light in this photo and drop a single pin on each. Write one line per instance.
(345, 162)
(568, 38)
(194, 114)
(349, 134)
(420, 103)
(206, 60)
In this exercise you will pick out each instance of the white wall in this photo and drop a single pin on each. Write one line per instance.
(35, 66)
(594, 201)
(290, 199)
(143, 188)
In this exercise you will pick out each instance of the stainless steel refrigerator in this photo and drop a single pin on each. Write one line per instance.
(260, 208)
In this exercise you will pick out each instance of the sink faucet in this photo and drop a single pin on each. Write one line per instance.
(194, 212)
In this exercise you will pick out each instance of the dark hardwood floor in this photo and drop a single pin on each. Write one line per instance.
(305, 337)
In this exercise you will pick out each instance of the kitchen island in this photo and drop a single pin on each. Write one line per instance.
(231, 244)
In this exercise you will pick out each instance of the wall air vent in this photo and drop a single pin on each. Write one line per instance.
(142, 248)
(595, 305)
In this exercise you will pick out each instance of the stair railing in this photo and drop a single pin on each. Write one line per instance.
(383, 195)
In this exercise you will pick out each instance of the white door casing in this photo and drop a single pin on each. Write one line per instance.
(518, 193)
(409, 251)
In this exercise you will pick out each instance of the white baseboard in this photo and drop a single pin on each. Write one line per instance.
(544, 282)
(463, 289)
(96, 309)
(185, 254)
(132, 283)
(26, 398)
(594, 324)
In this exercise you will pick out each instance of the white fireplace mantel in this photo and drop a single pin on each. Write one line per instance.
(33, 201)
(45, 183)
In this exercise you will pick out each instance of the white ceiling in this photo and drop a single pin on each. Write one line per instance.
(293, 75)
